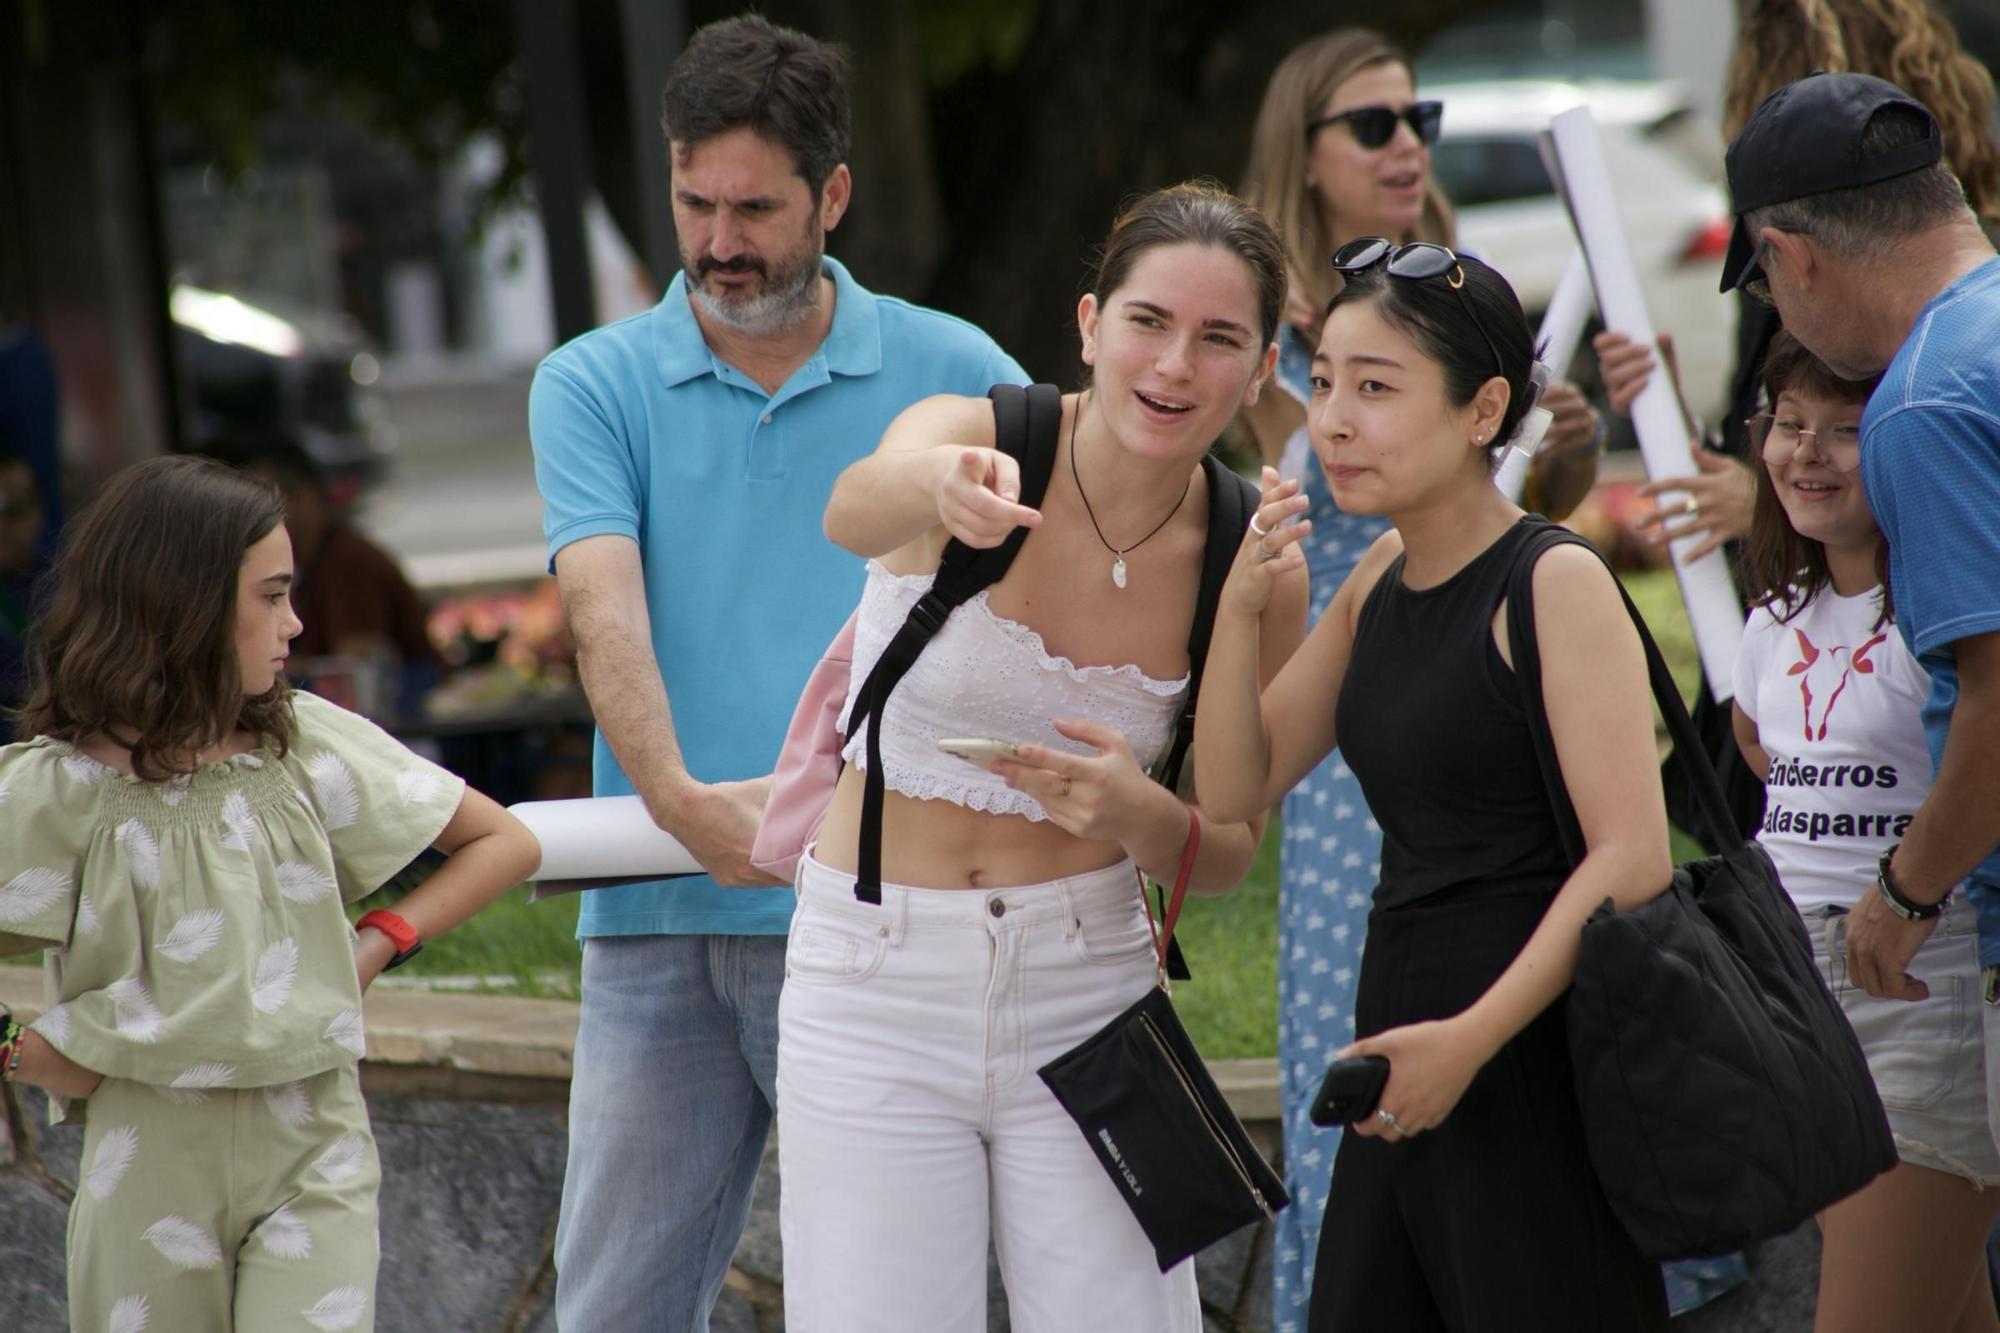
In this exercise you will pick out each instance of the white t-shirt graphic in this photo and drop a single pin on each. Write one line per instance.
(1836, 700)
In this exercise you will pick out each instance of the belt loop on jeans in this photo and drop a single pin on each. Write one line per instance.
(1992, 987)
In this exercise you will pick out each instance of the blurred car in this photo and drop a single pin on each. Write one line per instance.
(249, 371)
(1665, 164)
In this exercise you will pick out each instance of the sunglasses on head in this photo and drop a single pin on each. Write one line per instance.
(1416, 261)
(1373, 126)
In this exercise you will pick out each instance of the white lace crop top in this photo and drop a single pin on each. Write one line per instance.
(985, 675)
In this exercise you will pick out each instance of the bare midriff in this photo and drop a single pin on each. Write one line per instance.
(942, 845)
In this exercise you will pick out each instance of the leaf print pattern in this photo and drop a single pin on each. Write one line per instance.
(133, 1010)
(285, 1236)
(214, 1074)
(131, 1315)
(181, 1096)
(288, 1102)
(236, 814)
(333, 784)
(88, 923)
(54, 1025)
(82, 768)
(301, 882)
(111, 1161)
(184, 1244)
(31, 893)
(417, 786)
(192, 936)
(175, 789)
(142, 853)
(342, 1160)
(345, 1029)
(277, 973)
(338, 1309)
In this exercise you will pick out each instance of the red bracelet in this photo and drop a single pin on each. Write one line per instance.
(400, 932)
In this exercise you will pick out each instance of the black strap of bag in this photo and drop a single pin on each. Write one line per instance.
(1026, 425)
(1712, 807)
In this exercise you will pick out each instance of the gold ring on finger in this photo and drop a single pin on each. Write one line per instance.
(1064, 789)
(1693, 507)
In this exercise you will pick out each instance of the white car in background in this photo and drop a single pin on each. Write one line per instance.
(1665, 164)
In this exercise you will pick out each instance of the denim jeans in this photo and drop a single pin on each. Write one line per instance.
(913, 1125)
(670, 1101)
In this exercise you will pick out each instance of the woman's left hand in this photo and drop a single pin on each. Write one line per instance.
(1430, 1067)
(1101, 796)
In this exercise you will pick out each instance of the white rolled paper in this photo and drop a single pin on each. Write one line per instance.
(600, 841)
(1713, 608)
(1562, 329)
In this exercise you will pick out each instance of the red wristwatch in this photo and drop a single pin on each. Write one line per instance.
(400, 932)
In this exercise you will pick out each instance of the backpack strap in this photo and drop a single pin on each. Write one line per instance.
(1710, 801)
(1231, 501)
(1026, 425)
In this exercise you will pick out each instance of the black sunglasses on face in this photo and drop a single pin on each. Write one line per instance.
(1373, 126)
(1416, 261)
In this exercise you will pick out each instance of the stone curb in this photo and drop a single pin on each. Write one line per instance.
(438, 1041)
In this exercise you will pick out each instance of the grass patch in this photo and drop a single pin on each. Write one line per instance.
(1230, 1005)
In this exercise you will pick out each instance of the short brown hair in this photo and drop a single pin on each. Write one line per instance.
(139, 641)
(1785, 570)
(748, 72)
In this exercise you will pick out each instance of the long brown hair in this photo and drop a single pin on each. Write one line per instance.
(1275, 181)
(1786, 570)
(1907, 42)
(1196, 212)
(139, 641)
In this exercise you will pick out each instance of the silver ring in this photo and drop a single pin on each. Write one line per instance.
(1388, 1120)
(1693, 506)
(1264, 553)
(1261, 532)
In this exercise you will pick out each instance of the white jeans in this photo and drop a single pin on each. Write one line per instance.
(912, 1124)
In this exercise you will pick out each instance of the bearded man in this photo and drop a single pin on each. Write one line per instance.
(685, 457)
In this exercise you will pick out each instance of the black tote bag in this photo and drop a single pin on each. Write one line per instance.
(1725, 1098)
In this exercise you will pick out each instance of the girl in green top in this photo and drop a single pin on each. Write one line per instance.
(180, 834)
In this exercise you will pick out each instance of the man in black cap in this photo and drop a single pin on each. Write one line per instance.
(1852, 225)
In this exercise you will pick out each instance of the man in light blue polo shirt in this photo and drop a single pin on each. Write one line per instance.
(1853, 225)
(685, 457)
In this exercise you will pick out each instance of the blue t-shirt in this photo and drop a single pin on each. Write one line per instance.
(1930, 457)
(642, 431)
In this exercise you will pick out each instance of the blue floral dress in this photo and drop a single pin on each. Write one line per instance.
(1329, 861)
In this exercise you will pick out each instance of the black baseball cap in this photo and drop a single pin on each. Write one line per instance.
(1805, 138)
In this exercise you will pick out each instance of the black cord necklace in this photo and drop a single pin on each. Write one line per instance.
(1117, 565)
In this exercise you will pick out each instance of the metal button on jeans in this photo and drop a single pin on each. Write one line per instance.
(997, 907)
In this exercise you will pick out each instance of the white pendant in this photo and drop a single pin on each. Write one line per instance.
(1118, 571)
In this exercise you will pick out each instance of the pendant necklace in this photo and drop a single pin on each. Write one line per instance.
(1117, 564)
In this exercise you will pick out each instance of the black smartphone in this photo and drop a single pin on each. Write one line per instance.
(1350, 1090)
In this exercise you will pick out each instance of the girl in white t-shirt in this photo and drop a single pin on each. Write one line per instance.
(1827, 707)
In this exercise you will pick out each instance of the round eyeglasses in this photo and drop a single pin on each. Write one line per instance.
(1778, 439)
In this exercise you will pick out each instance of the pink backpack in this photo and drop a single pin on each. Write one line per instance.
(808, 765)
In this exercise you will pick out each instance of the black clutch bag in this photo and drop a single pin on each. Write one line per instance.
(1156, 1121)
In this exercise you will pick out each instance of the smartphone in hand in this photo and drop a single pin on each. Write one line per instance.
(980, 750)
(1350, 1090)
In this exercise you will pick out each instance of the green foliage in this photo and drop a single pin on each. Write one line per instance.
(428, 75)
(955, 37)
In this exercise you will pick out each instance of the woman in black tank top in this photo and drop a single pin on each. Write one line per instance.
(1466, 1201)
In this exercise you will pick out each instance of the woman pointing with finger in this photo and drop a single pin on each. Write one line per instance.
(912, 1127)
